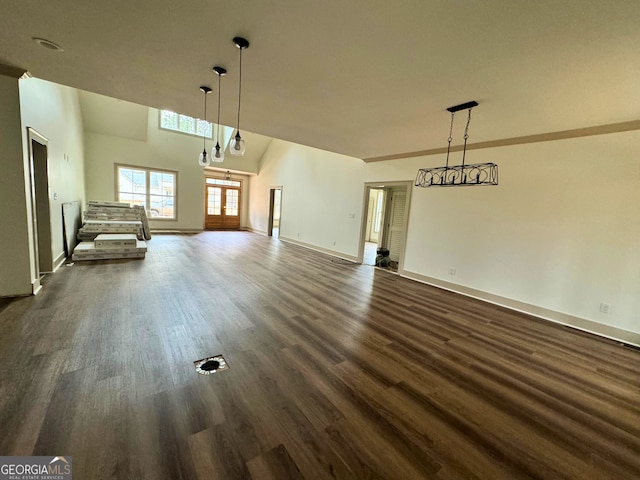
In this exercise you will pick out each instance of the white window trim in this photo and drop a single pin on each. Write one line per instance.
(147, 171)
(160, 127)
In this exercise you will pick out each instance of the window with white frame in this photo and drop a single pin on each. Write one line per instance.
(155, 190)
(183, 123)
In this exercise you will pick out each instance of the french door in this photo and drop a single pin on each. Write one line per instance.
(222, 204)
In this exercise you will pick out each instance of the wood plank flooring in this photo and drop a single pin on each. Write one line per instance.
(337, 371)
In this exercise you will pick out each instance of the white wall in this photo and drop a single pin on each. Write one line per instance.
(54, 112)
(113, 117)
(15, 276)
(561, 231)
(321, 197)
(559, 234)
(165, 150)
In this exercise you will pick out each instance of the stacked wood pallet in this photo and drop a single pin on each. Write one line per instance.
(112, 230)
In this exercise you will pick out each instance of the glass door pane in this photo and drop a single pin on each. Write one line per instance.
(231, 205)
(214, 200)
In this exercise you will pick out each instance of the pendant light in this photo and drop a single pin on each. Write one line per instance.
(204, 159)
(218, 153)
(237, 146)
(463, 174)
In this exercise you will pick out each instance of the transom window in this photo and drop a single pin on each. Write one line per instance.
(155, 190)
(183, 123)
(220, 181)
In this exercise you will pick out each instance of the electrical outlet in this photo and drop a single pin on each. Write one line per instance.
(334, 243)
(605, 307)
(298, 234)
(452, 270)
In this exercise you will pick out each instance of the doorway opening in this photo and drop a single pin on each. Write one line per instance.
(275, 206)
(40, 207)
(385, 223)
(375, 217)
(222, 204)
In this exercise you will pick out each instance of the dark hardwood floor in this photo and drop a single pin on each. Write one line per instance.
(336, 371)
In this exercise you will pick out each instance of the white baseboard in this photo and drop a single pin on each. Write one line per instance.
(177, 231)
(326, 251)
(255, 230)
(585, 325)
(35, 286)
(59, 260)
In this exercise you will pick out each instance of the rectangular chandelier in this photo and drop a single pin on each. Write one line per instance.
(458, 175)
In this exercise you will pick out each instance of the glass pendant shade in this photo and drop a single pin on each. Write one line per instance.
(237, 146)
(218, 155)
(204, 160)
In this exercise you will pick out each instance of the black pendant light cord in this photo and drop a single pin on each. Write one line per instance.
(239, 92)
(450, 139)
(218, 134)
(466, 137)
(204, 143)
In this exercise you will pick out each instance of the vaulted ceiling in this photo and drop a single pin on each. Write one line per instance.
(365, 78)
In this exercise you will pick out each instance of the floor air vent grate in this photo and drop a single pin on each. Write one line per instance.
(209, 365)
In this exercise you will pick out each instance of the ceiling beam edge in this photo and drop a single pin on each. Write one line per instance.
(11, 71)
(541, 137)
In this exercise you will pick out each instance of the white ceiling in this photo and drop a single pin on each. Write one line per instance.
(365, 78)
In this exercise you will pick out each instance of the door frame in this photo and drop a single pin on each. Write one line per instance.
(371, 215)
(272, 199)
(384, 185)
(38, 224)
(204, 197)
